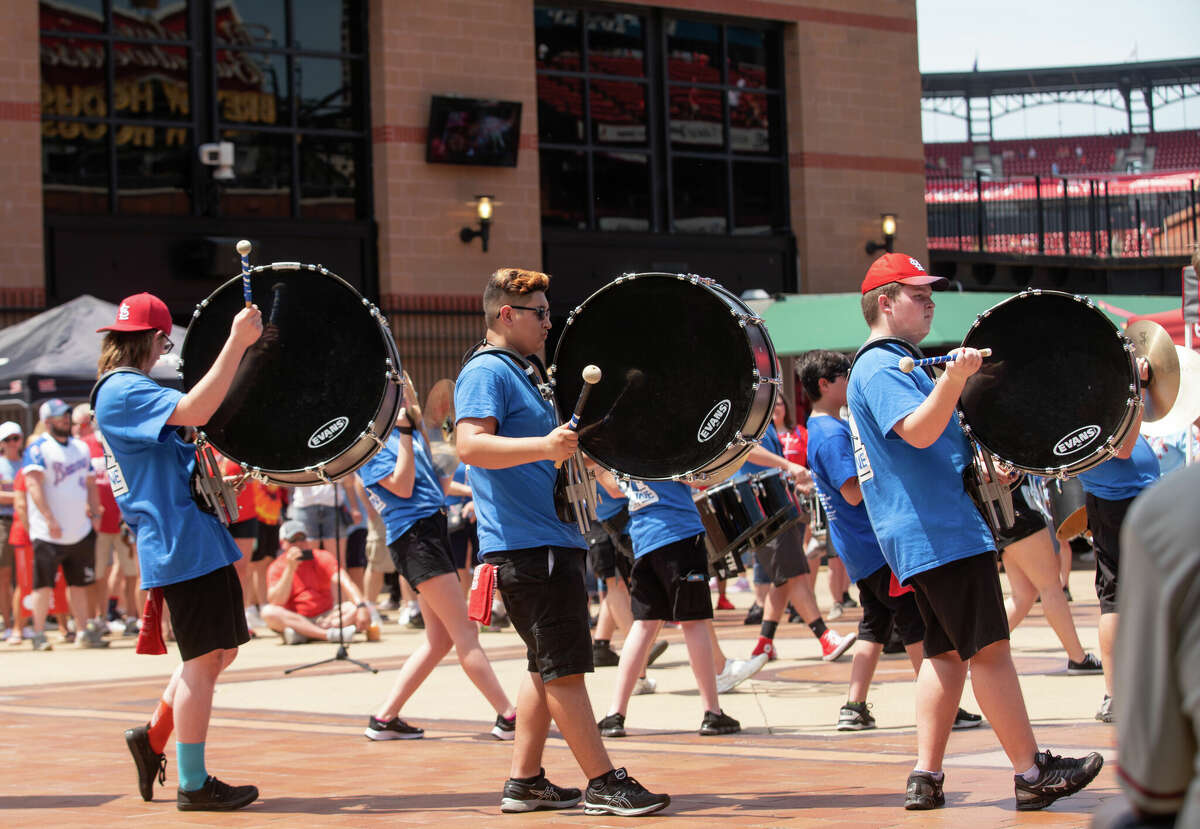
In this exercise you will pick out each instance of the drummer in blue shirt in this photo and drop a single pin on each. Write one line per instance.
(1109, 489)
(409, 495)
(510, 435)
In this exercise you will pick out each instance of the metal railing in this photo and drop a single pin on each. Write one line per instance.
(1119, 216)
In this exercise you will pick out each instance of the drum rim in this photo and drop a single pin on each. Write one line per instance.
(314, 474)
(722, 461)
(1105, 449)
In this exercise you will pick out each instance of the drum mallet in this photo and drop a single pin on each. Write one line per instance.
(907, 364)
(243, 248)
(591, 376)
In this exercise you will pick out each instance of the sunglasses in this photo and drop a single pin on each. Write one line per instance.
(542, 312)
(11, 438)
(167, 344)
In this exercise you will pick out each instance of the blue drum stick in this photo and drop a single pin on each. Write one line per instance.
(243, 248)
(591, 376)
(907, 364)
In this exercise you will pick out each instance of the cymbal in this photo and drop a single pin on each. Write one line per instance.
(1187, 405)
(1151, 340)
(439, 408)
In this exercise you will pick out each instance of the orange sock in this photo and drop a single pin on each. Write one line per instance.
(162, 723)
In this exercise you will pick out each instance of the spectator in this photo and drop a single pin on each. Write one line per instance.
(314, 506)
(63, 515)
(244, 532)
(10, 465)
(268, 509)
(300, 596)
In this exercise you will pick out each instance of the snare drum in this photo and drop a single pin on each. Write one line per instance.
(688, 376)
(317, 393)
(773, 489)
(1059, 393)
(731, 515)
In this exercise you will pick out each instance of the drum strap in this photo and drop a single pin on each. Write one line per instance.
(531, 367)
(900, 341)
(105, 376)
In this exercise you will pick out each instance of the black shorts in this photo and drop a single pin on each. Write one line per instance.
(267, 545)
(244, 529)
(1027, 521)
(207, 613)
(78, 562)
(356, 548)
(423, 552)
(671, 583)
(548, 608)
(604, 558)
(463, 544)
(881, 610)
(961, 605)
(783, 556)
(1104, 521)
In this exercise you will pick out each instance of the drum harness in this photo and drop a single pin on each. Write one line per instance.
(980, 479)
(575, 487)
(211, 492)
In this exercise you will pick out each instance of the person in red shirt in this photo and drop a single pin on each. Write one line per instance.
(300, 593)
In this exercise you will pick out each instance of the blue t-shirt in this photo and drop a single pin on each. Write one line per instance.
(150, 469)
(831, 461)
(8, 474)
(660, 513)
(460, 477)
(399, 514)
(770, 442)
(919, 509)
(514, 506)
(1119, 478)
(606, 505)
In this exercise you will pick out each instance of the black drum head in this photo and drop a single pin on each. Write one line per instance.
(312, 383)
(671, 352)
(1057, 383)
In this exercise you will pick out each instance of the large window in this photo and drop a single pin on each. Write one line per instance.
(130, 89)
(649, 121)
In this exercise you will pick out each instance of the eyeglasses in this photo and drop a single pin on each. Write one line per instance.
(541, 312)
(12, 438)
(168, 345)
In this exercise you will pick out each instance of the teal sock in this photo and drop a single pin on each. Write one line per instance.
(189, 765)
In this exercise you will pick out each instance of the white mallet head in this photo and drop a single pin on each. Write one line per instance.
(907, 364)
(591, 375)
(243, 247)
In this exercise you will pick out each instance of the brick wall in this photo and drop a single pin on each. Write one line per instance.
(475, 48)
(21, 263)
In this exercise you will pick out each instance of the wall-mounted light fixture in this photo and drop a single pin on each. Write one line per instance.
(483, 209)
(887, 223)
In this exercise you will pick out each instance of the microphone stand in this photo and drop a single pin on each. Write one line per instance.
(342, 654)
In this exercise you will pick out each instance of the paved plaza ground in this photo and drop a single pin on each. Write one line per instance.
(299, 738)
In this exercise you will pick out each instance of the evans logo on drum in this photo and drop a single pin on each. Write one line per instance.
(1077, 440)
(713, 421)
(328, 432)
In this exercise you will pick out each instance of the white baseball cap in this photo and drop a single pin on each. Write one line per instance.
(8, 429)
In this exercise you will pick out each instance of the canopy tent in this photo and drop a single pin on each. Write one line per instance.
(54, 355)
(802, 322)
(1171, 320)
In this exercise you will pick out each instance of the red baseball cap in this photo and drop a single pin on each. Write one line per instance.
(898, 267)
(141, 312)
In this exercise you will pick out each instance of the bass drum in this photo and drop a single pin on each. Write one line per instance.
(688, 376)
(1059, 393)
(317, 393)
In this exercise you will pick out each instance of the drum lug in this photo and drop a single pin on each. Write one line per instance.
(319, 471)
(367, 433)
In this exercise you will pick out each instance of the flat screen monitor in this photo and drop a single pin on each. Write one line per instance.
(473, 131)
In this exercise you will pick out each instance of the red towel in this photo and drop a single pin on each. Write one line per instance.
(150, 638)
(483, 588)
(895, 588)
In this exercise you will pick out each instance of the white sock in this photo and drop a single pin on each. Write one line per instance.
(1030, 774)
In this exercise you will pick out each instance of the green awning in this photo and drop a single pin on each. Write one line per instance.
(802, 322)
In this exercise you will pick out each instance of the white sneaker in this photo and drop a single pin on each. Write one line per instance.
(644, 685)
(738, 671)
(836, 612)
(291, 636)
(347, 633)
(253, 618)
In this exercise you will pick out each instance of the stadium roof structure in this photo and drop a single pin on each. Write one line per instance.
(1134, 88)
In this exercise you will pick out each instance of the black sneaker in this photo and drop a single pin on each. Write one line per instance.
(794, 614)
(718, 722)
(149, 763)
(855, 716)
(616, 793)
(604, 657)
(847, 601)
(1067, 593)
(965, 719)
(540, 794)
(1090, 664)
(754, 616)
(504, 729)
(1058, 777)
(393, 729)
(612, 726)
(924, 792)
(655, 652)
(215, 796)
